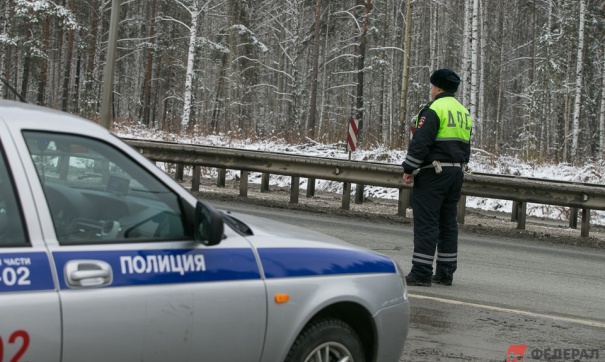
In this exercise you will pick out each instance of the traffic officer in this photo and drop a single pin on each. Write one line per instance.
(437, 154)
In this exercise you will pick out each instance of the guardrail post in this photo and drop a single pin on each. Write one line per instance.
(346, 196)
(514, 215)
(585, 223)
(195, 179)
(180, 170)
(311, 187)
(222, 175)
(243, 184)
(294, 189)
(404, 201)
(264, 182)
(359, 191)
(461, 209)
(573, 217)
(521, 211)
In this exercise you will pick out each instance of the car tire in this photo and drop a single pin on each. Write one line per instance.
(327, 340)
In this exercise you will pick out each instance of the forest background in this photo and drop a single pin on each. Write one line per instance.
(533, 71)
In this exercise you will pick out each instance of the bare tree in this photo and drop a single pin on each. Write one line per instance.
(146, 102)
(579, 80)
(194, 10)
(405, 77)
(366, 5)
(315, 63)
(274, 68)
(602, 112)
(475, 67)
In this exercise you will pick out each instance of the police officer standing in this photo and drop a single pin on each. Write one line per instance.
(437, 154)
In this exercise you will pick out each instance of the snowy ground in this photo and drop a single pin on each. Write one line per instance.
(592, 172)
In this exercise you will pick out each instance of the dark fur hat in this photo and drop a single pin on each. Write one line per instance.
(446, 80)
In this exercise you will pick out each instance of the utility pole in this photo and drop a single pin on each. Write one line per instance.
(110, 63)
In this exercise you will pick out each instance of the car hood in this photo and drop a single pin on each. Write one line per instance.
(287, 232)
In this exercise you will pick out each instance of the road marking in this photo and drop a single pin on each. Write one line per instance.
(515, 311)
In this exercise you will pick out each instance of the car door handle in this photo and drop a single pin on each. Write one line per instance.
(88, 273)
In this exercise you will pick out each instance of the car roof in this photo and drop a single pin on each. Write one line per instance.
(44, 118)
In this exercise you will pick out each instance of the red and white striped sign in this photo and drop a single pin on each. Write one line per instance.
(352, 136)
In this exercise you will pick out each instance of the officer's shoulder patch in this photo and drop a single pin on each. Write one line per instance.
(421, 121)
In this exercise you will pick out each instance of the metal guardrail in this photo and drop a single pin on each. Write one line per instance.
(520, 190)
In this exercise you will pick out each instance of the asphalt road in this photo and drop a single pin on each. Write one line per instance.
(506, 291)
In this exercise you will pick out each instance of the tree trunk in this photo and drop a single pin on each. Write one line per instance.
(498, 127)
(321, 126)
(433, 36)
(405, 76)
(43, 76)
(602, 113)
(383, 75)
(578, 87)
(363, 40)
(219, 103)
(76, 101)
(466, 59)
(149, 67)
(26, 64)
(315, 63)
(5, 49)
(481, 115)
(91, 58)
(474, 68)
(190, 62)
(67, 74)
(552, 131)
(567, 105)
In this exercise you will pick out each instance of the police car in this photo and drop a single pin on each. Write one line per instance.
(104, 257)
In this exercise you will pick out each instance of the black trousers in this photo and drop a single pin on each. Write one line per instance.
(434, 203)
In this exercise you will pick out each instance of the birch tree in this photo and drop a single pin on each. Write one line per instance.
(315, 63)
(602, 113)
(255, 68)
(479, 121)
(475, 68)
(579, 80)
(466, 50)
(405, 76)
(194, 10)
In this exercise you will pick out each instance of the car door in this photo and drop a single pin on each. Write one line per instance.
(30, 324)
(133, 284)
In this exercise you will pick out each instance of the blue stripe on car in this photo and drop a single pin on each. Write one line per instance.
(298, 262)
(20, 272)
(219, 265)
(32, 271)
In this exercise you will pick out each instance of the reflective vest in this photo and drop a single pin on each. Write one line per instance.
(455, 120)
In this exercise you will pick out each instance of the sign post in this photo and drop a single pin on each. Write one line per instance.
(353, 133)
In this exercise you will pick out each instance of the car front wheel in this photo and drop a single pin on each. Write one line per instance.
(327, 340)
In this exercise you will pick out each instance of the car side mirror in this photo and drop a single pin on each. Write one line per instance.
(209, 225)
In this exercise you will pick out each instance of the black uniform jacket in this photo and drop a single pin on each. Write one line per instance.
(423, 149)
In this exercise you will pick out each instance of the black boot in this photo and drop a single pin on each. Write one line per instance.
(411, 280)
(444, 275)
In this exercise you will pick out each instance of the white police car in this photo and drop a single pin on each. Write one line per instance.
(103, 257)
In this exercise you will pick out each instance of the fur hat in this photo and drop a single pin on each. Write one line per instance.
(446, 80)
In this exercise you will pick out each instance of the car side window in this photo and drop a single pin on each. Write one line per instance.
(97, 194)
(12, 230)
